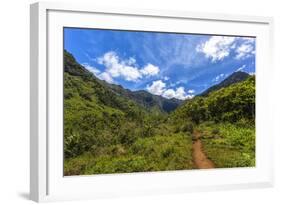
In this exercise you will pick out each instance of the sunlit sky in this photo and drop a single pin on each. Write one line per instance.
(167, 64)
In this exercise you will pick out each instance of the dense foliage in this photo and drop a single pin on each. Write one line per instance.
(229, 104)
(108, 129)
(145, 154)
(229, 145)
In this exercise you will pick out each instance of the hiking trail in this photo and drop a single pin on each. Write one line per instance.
(201, 161)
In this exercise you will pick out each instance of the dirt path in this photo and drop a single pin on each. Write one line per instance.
(200, 159)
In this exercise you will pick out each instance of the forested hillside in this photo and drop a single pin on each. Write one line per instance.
(228, 104)
(108, 129)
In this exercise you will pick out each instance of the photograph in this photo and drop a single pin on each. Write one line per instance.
(149, 101)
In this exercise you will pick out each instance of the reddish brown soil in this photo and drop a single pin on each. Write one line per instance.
(201, 161)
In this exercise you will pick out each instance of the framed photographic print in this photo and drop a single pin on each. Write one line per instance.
(127, 102)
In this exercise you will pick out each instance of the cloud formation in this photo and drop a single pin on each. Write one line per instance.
(106, 76)
(91, 68)
(125, 68)
(245, 50)
(219, 47)
(219, 77)
(191, 91)
(101, 75)
(159, 88)
(150, 70)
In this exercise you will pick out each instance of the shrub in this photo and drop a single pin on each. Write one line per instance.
(215, 131)
(187, 127)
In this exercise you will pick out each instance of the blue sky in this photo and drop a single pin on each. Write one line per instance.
(167, 64)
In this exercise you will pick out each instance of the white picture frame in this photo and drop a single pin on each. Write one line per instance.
(47, 182)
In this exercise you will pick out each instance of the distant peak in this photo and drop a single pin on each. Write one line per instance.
(235, 77)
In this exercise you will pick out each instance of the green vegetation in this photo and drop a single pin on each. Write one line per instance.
(230, 104)
(226, 121)
(145, 154)
(108, 129)
(229, 145)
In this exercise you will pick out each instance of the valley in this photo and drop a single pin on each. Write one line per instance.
(110, 129)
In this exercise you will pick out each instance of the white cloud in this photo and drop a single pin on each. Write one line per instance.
(166, 78)
(218, 77)
(159, 88)
(150, 70)
(245, 50)
(131, 61)
(126, 69)
(217, 47)
(180, 94)
(105, 76)
(252, 73)
(191, 91)
(130, 73)
(117, 68)
(91, 68)
(170, 93)
(241, 68)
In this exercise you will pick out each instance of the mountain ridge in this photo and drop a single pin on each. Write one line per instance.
(141, 97)
(235, 77)
(147, 99)
(226, 104)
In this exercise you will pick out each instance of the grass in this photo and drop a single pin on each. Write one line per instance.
(157, 153)
(229, 145)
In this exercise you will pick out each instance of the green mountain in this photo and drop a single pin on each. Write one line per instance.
(223, 104)
(235, 77)
(148, 100)
(94, 110)
(219, 102)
